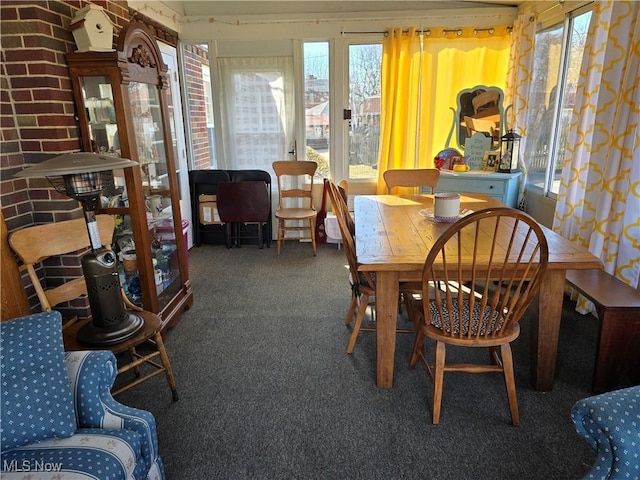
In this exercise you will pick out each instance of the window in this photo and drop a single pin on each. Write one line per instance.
(257, 106)
(557, 60)
(316, 104)
(365, 62)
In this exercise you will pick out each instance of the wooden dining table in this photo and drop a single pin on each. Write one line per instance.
(393, 239)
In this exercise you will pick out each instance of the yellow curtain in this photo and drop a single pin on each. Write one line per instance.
(398, 101)
(422, 73)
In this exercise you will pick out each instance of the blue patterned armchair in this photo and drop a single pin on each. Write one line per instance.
(58, 418)
(610, 424)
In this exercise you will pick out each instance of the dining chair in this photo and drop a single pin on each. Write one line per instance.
(362, 284)
(487, 267)
(36, 244)
(343, 187)
(479, 125)
(485, 101)
(417, 177)
(295, 200)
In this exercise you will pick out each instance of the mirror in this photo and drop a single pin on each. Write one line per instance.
(479, 110)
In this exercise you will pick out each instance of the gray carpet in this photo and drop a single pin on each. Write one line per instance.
(268, 392)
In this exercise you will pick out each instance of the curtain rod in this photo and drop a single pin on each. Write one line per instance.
(428, 31)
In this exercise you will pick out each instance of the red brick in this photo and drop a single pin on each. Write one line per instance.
(34, 82)
(38, 108)
(42, 217)
(22, 95)
(56, 120)
(55, 43)
(43, 133)
(11, 159)
(8, 13)
(9, 135)
(30, 55)
(52, 94)
(16, 68)
(64, 36)
(48, 69)
(28, 146)
(5, 109)
(65, 9)
(14, 198)
(12, 43)
(24, 27)
(62, 146)
(34, 13)
(4, 91)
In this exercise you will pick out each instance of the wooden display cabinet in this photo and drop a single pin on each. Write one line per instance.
(121, 97)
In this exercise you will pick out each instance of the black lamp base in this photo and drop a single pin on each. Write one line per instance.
(98, 336)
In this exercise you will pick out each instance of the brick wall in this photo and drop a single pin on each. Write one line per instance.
(194, 58)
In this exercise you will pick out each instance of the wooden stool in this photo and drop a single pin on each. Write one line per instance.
(151, 332)
(618, 307)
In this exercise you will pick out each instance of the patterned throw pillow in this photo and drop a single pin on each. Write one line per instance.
(35, 398)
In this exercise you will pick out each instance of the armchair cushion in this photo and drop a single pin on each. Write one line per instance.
(610, 424)
(92, 374)
(89, 454)
(35, 400)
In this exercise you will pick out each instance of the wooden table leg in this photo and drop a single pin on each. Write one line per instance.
(387, 291)
(546, 329)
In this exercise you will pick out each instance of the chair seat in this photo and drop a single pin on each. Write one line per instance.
(296, 213)
(89, 454)
(149, 335)
(488, 320)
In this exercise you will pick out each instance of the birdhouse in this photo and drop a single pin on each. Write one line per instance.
(92, 30)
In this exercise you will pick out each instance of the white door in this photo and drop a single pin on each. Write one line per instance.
(169, 56)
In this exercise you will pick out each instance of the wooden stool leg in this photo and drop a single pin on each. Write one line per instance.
(167, 366)
(312, 225)
(616, 354)
(134, 355)
(280, 236)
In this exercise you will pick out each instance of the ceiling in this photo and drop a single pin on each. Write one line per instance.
(189, 8)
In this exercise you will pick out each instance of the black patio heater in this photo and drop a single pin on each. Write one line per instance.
(83, 176)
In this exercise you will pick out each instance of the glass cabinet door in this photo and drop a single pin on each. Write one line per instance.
(152, 156)
(101, 114)
(150, 152)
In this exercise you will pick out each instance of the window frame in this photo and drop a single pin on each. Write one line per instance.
(563, 17)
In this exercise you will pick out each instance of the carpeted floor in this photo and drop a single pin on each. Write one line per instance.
(268, 392)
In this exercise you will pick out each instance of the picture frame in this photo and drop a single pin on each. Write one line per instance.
(490, 160)
(454, 160)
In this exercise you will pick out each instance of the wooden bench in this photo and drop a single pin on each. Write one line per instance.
(618, 307)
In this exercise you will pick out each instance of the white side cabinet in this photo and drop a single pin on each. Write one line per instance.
(501, 186)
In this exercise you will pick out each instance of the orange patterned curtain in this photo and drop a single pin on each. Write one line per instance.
(599, 198)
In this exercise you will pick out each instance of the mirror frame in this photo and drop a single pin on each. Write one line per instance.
(458, 116)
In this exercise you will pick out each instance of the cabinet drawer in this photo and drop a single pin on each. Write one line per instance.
(488, 187)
